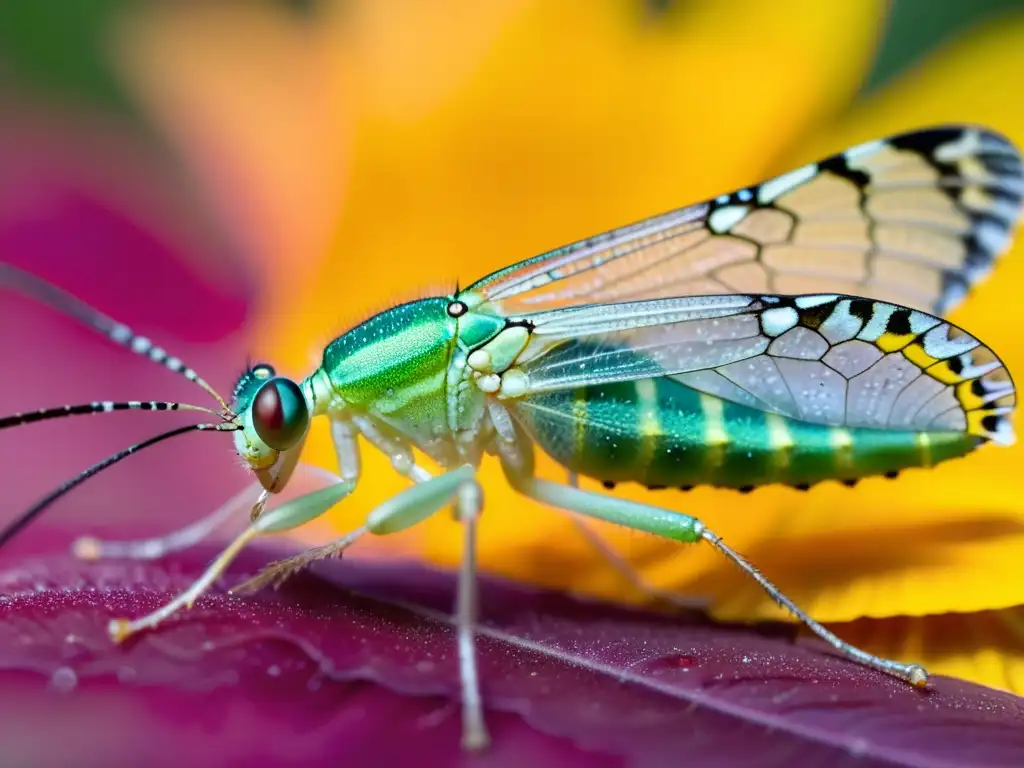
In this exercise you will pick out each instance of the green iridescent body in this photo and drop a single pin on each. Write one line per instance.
(394, 368)
(405, 368)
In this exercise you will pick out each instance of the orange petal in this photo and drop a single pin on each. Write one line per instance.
(486, 132)
(246, 94)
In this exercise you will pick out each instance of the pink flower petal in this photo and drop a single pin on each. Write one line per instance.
(360, 666)
(88, 205)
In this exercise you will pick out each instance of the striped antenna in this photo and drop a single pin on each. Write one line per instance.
(103, 406)
(13, 528)
(119, 333)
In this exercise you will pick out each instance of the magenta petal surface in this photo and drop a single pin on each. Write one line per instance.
(356, 665)
(89, 206)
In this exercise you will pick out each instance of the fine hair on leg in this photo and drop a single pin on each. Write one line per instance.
(689, 530)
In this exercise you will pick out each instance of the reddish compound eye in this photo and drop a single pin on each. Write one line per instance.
(279, 413)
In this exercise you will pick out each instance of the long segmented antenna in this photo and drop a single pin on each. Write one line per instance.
(99, 406)
(119, 333)
(36, 509)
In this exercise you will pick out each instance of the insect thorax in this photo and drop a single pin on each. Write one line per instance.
(407, 369)
(394, 368)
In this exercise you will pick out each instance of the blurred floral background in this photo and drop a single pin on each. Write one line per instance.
(249, 179)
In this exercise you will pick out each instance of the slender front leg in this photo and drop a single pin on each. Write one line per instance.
(412, 506)
(344, 435)
(290, 515)
(250, 498)
(90, 548)
(689, 530)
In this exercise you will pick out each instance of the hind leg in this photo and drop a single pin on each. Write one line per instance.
(690, 530)
(623, 566)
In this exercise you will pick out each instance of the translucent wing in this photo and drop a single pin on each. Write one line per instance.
(825, 359)
(915, 219)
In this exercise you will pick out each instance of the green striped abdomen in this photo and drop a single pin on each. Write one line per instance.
(659, 432)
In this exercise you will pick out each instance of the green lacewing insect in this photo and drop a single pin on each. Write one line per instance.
(789, 332)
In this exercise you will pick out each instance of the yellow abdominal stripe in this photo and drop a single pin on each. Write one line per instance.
(780, 439)
(579, 415)
(716, 438)
(842, 444)
(649, 422)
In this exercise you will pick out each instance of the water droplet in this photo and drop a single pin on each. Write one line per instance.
(274, 671)
(677, 661)
(64, 679)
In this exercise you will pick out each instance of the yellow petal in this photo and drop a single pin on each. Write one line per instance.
(487, 132)
(950, 539)
(246, 95)
(985, 647)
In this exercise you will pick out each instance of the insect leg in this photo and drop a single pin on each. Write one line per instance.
(517, 459)
(279, 571)
(290, 515)
(402, 459)
(468, 505)
(90, 548)
(404, 510)
(690, 530)
(346, 447)
(344, 434)
(629, 573)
